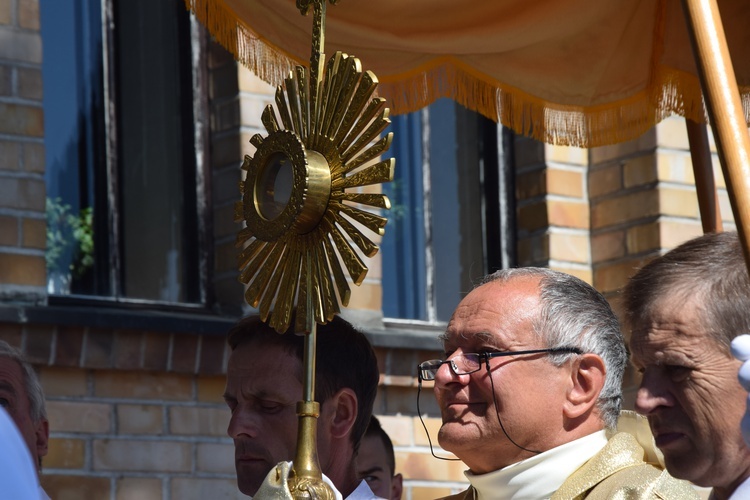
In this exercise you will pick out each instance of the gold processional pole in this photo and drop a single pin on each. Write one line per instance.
(300, 218)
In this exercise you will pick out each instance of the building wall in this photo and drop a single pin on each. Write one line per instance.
(22, 191)
(135, 405)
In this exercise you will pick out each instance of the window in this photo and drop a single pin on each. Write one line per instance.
(122, 87)
(450, 221)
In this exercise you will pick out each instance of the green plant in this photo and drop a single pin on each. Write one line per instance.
(70, 238)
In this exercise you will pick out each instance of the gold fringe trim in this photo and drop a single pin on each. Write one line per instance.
(669, 92)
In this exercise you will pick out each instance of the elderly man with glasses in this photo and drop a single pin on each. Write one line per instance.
(530, 394)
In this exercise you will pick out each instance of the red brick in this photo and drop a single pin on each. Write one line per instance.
(69, 344)
(10, 155)
(6, 11)
(528, 152)
(143, 385)
(212, 355)
(63, 381)
(98, 350)
(211, 389)
(643, 238)
(28, 14)
(626, 208)
(184, 352)
(155, 351)
(531, 184)
(23, 194)
(65, 453)
(30, 83)
(200, 489)
(679, 202)
(139, 488)
(215, 457)
(8, 231)
(33, 157)
(604, 181)
(202, 421)
(20, 119)
(75, 487)
(645, 142)
(127, 349)
(38, 343)
(424, 467)
(639, 171)
(76, 416)
(145, 456)
(534, 250)
(27, 270)
(532, 217)
(34, 233)
(607, 246)
(569, 247)
(140, 419)
(568, 214)
(565, 182)
(612, 277)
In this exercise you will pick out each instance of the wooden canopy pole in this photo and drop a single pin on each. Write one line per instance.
(703, 171)
(724, 108)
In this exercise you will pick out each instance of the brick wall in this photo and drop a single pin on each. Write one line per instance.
(140, 414)
(22, 189)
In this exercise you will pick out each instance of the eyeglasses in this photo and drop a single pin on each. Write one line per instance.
(467, 363)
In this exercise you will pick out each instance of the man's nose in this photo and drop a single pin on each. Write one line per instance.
(242, 423)
(447, 375)
(652, 394)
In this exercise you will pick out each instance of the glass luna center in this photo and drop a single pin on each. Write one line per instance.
(274, 187)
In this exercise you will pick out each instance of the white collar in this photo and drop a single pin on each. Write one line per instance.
(742, 491)
(362, 492)
(538, 476)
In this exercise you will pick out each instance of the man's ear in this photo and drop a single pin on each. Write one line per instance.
(344, 405)
(42, 439)
(587, 380)
(397, 487)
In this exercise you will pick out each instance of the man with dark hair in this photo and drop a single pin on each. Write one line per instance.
(22, 397)
(376, 462)
(530, 394)
(264, 383)
(684, 308)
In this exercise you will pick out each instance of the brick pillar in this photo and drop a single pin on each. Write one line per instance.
(237, 98)
(643, 202)
(553, 208)
(22, 188)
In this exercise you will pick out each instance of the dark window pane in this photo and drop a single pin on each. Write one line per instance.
(156, 154)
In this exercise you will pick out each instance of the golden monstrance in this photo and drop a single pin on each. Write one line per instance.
(299, 217)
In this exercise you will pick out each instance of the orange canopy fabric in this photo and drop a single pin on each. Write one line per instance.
(573, 72)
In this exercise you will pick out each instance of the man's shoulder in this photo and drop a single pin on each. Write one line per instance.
(642, 482)
(621, 470)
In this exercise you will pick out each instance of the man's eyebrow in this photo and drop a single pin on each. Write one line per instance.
(377, 468)
(7, 387)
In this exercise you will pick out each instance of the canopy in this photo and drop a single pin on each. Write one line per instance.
(572, 72)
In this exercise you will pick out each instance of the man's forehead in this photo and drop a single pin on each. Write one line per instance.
(10, 370)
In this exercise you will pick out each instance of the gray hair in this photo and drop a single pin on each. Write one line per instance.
(709, 269)
(34, 390)
(574, 314)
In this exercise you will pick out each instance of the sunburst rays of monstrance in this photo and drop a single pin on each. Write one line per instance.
(300, 218)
